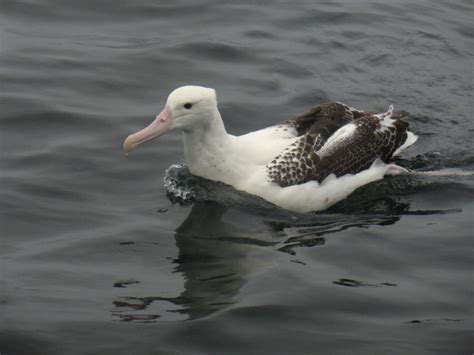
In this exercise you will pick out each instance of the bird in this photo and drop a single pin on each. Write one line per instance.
(306, 163)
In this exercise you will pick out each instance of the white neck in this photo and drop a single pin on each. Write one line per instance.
(205, 146)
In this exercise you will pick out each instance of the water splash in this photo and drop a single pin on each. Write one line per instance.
(184, 188)
(178, 184)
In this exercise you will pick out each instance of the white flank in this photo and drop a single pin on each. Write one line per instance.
(312, 196)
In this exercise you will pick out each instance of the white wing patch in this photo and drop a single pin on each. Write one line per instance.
(340, 135)
(386, 120)
(411, 139)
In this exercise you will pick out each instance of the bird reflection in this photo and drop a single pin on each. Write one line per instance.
(214, 271)
(220, 247)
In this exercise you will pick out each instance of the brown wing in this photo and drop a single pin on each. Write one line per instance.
(314, 127)
(349, 150)
(370, 140)
(319, 118)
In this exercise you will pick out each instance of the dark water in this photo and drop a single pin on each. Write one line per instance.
(96, 260)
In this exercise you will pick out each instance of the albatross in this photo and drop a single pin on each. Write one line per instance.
(306, 163)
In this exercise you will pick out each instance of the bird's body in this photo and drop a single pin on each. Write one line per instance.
(304, 164)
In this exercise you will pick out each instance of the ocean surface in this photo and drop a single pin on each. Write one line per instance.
(95, 258)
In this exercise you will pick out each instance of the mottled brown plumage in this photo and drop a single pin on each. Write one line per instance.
(336, 139)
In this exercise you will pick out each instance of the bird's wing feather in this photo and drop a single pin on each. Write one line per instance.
(345, 148)
(325, 117)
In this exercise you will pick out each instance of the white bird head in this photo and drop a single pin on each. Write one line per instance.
(187, 108)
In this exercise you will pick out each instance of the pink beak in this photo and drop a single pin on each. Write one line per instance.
(159, 126)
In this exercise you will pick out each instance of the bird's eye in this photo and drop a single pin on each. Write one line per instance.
(188, 106)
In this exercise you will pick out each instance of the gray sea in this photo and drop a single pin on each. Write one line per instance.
(95, 258)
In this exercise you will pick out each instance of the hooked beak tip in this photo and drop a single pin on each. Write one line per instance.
(128, 145)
